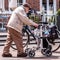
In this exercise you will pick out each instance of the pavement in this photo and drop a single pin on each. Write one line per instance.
(38, 55)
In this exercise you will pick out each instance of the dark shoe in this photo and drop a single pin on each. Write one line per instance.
(22, 55)
(7, 55)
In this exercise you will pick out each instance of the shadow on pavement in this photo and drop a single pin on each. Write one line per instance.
(52, 57)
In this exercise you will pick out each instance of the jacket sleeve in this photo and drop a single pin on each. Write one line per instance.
(23, 17)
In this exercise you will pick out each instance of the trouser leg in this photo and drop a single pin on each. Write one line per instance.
(8, 42)
(17, 38)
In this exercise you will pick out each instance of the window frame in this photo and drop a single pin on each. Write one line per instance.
(19, 2)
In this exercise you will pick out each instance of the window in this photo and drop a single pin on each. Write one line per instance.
(44, 4)
(51, 4)
(19, 2)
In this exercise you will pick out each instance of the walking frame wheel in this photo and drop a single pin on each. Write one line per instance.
(48, 53)
(30, 52)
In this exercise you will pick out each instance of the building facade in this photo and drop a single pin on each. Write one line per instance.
(50, 6)
(36, 4)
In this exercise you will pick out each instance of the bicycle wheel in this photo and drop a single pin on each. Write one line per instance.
(13, 46)
(26, 38)
(55, 46)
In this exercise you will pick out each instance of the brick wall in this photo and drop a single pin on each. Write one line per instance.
(35, 4)
(6, 5)
(57, 4)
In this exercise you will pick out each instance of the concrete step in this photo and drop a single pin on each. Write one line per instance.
(3, 38)
(3, 34)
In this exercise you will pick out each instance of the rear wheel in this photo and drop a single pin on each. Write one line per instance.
(55, 46)
(56, 43)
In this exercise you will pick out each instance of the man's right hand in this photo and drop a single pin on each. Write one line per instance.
(36, 25)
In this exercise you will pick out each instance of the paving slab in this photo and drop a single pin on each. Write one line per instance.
(38, 56)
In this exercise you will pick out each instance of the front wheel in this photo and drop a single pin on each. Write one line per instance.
(48, 53)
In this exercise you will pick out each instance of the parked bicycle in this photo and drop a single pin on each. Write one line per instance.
(27, 32)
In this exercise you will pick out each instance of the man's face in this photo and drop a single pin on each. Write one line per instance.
(26, 9)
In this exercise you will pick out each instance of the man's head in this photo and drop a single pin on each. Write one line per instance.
(27, 7)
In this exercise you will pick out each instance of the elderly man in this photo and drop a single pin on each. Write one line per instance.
(15, 25)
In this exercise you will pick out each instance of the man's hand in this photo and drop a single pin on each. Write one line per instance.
(36, 25)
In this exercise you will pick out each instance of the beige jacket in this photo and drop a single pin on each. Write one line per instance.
(18, 18)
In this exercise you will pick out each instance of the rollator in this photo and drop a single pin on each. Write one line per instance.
(41, 35)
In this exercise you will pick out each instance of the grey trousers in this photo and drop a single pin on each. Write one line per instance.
(15, 36)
